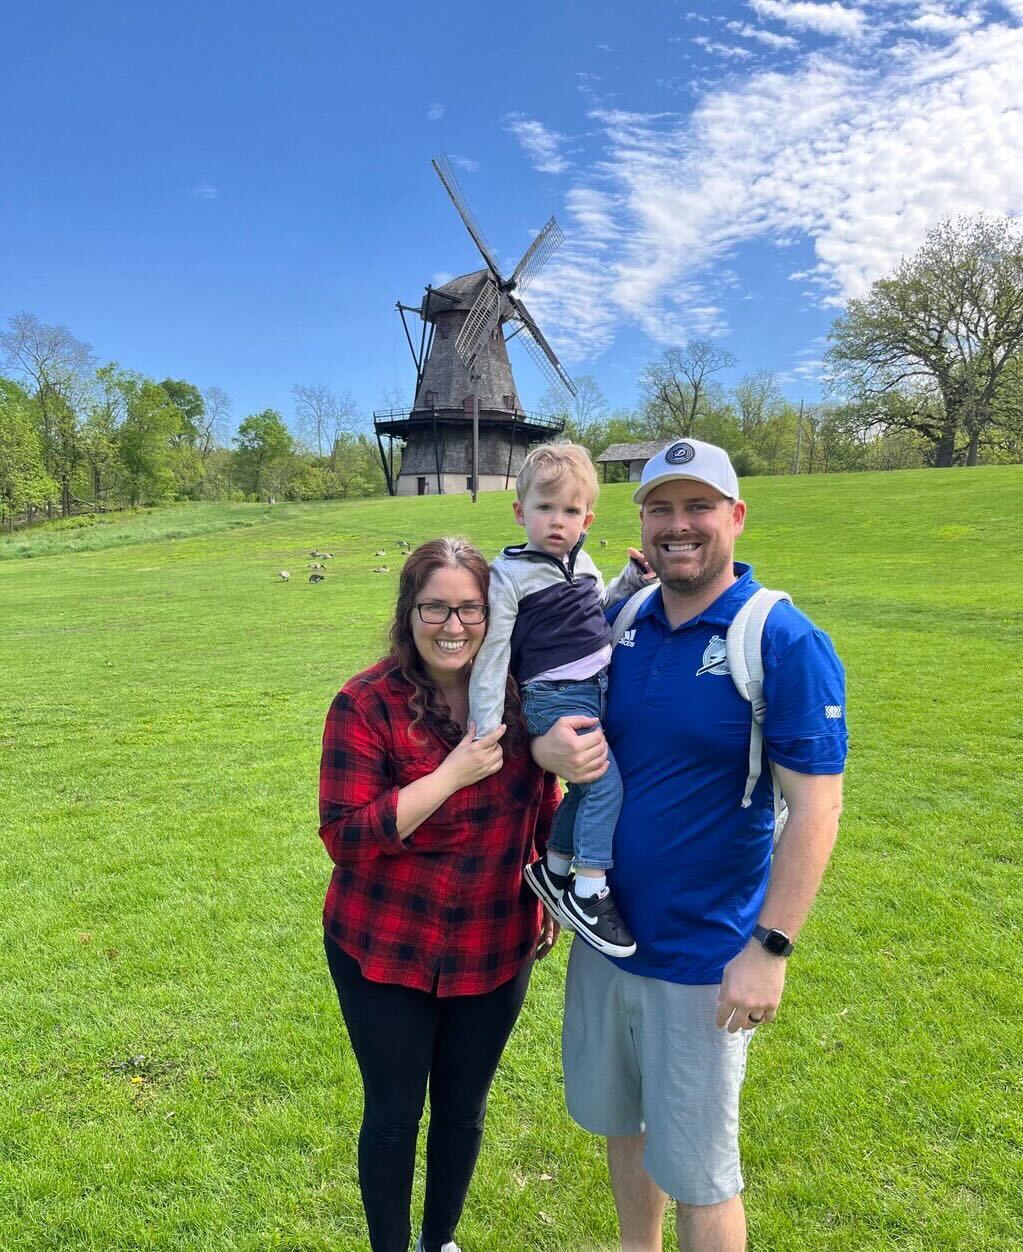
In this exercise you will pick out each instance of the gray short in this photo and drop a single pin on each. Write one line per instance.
(641, 1054)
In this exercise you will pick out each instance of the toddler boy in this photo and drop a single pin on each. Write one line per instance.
(547, 625)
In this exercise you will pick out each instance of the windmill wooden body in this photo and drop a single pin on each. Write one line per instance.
(466, 430)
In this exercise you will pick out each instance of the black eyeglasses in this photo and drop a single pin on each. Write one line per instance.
(436, 614)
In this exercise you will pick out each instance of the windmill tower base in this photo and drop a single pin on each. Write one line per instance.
(436, 450)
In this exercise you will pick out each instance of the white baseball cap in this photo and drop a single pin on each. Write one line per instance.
(689, 458)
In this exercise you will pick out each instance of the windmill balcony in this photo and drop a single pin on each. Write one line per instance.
(398, 422)
(436, 448)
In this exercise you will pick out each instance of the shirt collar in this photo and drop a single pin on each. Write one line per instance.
(720, 613)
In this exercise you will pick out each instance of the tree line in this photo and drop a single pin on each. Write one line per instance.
(925, 369)
(76, 435)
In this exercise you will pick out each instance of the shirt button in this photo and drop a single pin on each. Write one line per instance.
(655, 672)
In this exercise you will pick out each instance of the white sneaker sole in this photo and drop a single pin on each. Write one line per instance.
(594, 941)
(552, 904)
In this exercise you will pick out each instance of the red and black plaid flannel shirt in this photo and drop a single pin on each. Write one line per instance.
(446, 907)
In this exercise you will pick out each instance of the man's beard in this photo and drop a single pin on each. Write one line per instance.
(687, 585)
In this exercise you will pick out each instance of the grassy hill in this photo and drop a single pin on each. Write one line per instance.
(174, 1075)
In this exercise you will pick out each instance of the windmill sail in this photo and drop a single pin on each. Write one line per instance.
(479, 323)
(539, 349)
(447, 176)
(537, 255)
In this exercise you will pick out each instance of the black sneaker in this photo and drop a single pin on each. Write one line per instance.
(596, 920)
(548, 887)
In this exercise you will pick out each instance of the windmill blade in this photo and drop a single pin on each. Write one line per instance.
(537, 255)
(447, 176)
(539, 349)
(479, 324)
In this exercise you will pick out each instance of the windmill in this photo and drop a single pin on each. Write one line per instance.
(466, 429)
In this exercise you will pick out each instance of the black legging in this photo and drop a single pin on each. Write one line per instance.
(402, 1039)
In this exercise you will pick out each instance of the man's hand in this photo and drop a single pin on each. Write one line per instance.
(574, 748)
(751, 988)
(548, 935)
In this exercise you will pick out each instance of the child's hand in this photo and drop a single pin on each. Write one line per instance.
(642, 564)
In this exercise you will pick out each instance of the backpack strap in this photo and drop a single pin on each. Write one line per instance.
(744, 650)
(627, 613)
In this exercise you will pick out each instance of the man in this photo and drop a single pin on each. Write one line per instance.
(655, 1045)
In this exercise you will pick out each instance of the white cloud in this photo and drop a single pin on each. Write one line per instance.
(767, 37)
(467, 164)
(827, 19)
(541, 144)
(722, 49)
(435, 112)
(858, 156)
(206, 191)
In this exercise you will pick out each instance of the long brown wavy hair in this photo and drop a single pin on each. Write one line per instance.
(426, 702)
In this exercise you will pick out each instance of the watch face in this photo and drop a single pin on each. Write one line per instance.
(776, 943)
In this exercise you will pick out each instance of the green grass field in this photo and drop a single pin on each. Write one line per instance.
(172, 1061)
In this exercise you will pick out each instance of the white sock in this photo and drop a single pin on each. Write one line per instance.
(584, 886)
(558, 864)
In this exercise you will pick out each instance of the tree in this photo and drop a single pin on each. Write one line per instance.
(678, 386)
(324, 417)
(24, 482)
(215, 421)
(99, 431)
(188, 400)
(145, 439)
(945, 327)
(59, 368)
(587, 406)
(758, 398)
(263, 442)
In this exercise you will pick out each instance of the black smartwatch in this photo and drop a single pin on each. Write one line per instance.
(776, 942)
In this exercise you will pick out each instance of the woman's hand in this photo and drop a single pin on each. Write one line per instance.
(471, 760)
(577, 757)
(548, 935)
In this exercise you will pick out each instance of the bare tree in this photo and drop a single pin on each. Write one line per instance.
(216, 421)
(60, 369)
(588, 405)
(324, 417)
(677, 385)
(758, 398)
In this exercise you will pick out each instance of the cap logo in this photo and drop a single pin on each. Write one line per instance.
(680, 453)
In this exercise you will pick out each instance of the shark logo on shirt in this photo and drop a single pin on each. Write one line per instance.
(715, 659)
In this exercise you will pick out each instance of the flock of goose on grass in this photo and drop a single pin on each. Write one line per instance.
(318, 574)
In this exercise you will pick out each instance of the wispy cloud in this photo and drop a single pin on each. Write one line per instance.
(467, 164)
(435, 112)
(543, 146)
(206, 191)
(936, 19)
(826, 19)
(767, 37)
(857, 154)
(722, 49)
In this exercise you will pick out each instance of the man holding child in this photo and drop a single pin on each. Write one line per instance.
(655, 1044)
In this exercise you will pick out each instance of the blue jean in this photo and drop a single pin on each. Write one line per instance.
(584, 824)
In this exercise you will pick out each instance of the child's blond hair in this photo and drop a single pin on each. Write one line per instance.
(549, 464)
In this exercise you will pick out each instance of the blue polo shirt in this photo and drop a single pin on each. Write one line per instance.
(690, 864)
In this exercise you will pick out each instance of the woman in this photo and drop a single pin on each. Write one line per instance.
(429, 929)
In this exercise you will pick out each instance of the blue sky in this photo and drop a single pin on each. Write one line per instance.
(237, 195)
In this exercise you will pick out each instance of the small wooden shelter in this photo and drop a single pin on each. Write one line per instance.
(633, 455)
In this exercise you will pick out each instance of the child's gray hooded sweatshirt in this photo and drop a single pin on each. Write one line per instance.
(544, 613)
